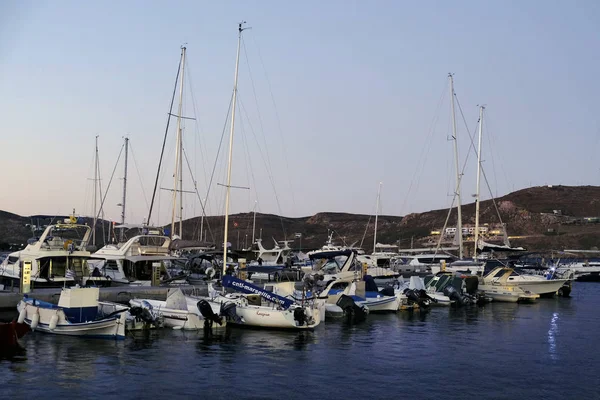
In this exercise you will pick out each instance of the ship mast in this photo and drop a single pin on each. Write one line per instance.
(481, 108)
(177, 176)
(455, 139)
(228, 187)
(376, 215)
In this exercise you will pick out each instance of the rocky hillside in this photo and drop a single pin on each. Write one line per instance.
(539, 218)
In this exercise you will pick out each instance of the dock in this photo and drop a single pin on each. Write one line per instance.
(118, 294)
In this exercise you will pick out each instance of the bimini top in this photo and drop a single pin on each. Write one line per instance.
(331, 254)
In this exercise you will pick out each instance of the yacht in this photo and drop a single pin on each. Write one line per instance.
(59, 257)
(529, 283)
(132, 262)
(497, 286)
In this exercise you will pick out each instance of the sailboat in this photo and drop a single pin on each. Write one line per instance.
(256, 306)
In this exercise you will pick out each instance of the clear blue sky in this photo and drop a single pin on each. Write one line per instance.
(356, 86)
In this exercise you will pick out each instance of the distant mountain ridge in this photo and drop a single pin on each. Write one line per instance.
(539, 218)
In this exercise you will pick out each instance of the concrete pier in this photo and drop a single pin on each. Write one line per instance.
(119, 294)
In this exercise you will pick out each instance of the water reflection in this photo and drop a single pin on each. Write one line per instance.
(552, 336)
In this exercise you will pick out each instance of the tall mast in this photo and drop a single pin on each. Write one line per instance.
(228, 187)
(454, 137)
(124, 189)
(95, 192)
(178, 155)
(254, 222)
(376, 215)
(481, 108)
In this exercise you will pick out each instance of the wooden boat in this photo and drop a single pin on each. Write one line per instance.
(78, 313)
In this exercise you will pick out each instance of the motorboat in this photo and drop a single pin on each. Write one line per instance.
(178, 311)
(78, 313)
(529, 283)
(498, 288)
(132, 262)
(58, 258)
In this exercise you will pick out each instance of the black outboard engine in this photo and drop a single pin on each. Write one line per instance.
(228, 311)
(387, 291)
(300, 316)
(352, 311)
(370, 285)
(453, 294)
(208, 314)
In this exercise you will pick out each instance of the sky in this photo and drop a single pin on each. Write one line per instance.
(334, 97)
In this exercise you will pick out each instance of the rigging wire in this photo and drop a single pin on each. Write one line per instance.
(162, 151)
(101, 211)
(269, 171)
(427, 145)
(139, 175)
(279, 130)
(187, 161)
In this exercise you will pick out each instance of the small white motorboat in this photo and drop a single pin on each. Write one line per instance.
(178, 311)
(78, 313)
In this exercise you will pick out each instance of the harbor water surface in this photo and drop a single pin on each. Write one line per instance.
(545, 350)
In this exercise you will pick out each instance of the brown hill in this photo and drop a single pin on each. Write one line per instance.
(529, 214)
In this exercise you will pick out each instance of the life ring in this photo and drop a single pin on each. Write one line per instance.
(67, 244)
(73, 219)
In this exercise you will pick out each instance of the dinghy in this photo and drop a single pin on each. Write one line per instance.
(78, 313)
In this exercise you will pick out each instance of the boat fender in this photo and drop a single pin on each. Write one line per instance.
(53, 322)
(22, 315)
(210, 272)
(35, 320)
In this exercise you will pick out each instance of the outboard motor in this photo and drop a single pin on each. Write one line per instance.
(208, 314)
(471, 284)
(387, 291)
(352, 311)
(228, 311)
(370, 285)
(453, 294)
(300, 316)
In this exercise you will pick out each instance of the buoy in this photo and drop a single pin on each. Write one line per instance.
(22, 315)
(35, 320)
(53, 322)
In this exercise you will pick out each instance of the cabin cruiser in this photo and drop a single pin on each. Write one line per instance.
(529, 283)
(343, 264)
(58, 258)
(421, 264)
(579, 271)
(498, 287)
(132, 262)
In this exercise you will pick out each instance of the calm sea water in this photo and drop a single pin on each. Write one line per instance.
(546, 350)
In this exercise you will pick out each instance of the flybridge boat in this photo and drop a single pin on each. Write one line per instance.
(131, 263)
(59, 257)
